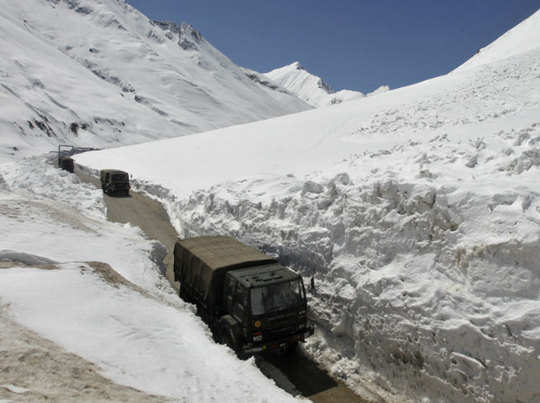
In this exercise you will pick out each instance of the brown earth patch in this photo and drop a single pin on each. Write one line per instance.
(46, 372)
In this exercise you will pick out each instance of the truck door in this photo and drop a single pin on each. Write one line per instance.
(229, 289)
(240, 304)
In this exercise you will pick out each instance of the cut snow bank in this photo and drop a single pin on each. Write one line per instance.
(418, 210)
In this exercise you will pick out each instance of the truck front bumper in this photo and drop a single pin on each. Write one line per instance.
(278, 344)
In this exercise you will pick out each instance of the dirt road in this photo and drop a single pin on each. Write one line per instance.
(295, 373)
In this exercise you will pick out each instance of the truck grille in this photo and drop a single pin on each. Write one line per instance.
(283, 331)
(281, 325)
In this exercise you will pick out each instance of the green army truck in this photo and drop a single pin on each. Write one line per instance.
(114, 182)
(250, 302)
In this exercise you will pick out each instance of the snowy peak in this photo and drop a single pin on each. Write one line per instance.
(295, 65)
(320, 82)
(311, 88)
(296, 79)
(522, 38)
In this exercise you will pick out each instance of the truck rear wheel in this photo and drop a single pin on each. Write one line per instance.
(182, 293)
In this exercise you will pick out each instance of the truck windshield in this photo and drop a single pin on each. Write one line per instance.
(276, 297)
(119, 178)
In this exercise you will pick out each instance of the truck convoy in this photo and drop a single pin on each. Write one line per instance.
(249, 301)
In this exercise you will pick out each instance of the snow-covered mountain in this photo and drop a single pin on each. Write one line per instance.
(311, 88)
(418, 210)
(100, 73)
(519, 39)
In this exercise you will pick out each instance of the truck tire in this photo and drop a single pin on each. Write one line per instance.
(184, 295)
(230, 337)
(181, 293)
(232, 341)
(291, 348)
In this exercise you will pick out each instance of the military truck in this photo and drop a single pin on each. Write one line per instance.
(64, 154)
(250, 302)
(66, 163)
(114, 182)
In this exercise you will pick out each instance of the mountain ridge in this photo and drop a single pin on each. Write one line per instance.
(311, 88)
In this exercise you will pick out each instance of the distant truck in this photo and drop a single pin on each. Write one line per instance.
(114, 182)
(64, 154)
(66, 163)
(250, 302)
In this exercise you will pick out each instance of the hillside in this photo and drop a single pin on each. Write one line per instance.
(523, 37)
(99, 73)
(311, 88)
(418, 211)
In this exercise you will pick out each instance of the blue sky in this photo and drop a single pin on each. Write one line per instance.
(353, 44)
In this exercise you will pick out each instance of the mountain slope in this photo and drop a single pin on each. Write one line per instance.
(417, 211)
(100, 73)
(311, 88)
(523, 37)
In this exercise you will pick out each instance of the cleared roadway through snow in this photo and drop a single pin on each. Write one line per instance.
(296, 373)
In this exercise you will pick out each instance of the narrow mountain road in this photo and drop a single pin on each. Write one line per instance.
(295, 373)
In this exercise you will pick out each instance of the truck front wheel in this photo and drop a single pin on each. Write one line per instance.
(228, 336)
(232, 341)
(291, 348)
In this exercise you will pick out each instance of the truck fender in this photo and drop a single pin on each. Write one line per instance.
(228, 324)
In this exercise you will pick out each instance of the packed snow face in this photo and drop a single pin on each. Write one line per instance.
(418, 211)
(311, 88)
(99, 73)
(94, 289)
(523, 37)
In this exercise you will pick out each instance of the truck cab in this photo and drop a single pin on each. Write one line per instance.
(114, 182)
(269, 304)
